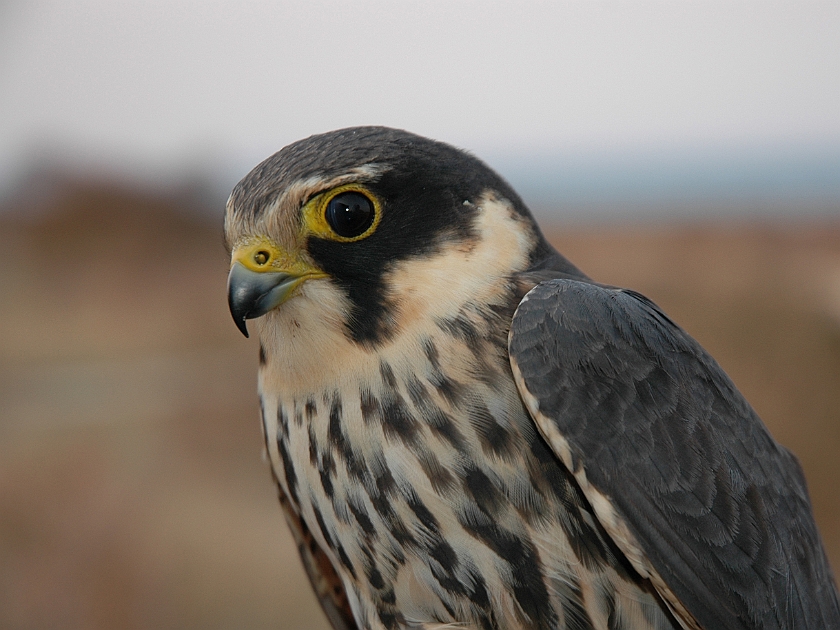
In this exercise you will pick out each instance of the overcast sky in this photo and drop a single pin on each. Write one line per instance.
(150, 86)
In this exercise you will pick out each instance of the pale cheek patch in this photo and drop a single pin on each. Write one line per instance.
(426, 288)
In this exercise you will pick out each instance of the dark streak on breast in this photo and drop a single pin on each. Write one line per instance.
(526, 581)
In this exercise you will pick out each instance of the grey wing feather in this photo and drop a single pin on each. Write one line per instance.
(719, 509)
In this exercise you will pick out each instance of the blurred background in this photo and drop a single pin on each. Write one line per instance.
(688, 150)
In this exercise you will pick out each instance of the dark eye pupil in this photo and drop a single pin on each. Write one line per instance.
(349, 214)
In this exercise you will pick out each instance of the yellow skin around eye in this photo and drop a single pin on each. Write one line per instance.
(262, 255)
(314, 214)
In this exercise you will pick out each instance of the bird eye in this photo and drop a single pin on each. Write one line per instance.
(350, 214)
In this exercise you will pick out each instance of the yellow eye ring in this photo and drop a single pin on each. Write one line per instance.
(317, 223)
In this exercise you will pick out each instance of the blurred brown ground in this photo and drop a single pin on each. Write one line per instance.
(133, 493)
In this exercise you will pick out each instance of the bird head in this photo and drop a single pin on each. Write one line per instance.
(368, 226)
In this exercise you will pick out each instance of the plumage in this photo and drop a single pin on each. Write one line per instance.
(468, 432)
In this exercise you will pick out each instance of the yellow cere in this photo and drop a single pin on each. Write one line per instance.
(314, 214)
(262, 255)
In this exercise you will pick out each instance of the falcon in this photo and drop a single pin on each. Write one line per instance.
(468, 432)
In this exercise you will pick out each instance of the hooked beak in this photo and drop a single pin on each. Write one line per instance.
(259, 281)
(252, 294)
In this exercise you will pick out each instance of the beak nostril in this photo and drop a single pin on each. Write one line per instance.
(261, 257)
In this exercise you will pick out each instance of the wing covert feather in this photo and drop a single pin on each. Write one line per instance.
(719, 509)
